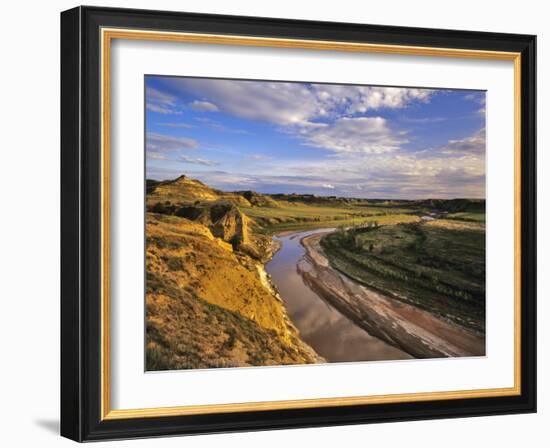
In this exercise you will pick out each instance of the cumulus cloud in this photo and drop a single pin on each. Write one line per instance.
(158, 143)
(384, 175)
(364, 154)
(160, 102)
(362, 175)
(399, 176)
(160, 109)
(478, 97)
(473, 144)
(285, 103)
(163, 147)
(154, 155)
(204, 106)
(321, 115)
(361, 99)
(278, 103)
(361, 134)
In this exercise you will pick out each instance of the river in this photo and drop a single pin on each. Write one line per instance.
(331, 334)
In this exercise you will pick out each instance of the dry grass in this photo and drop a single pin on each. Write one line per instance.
(206, 304)
(457, 225)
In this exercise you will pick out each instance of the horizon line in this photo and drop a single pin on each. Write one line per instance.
(423, 198)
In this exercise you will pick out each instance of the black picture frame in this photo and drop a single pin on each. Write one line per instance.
(81, 224)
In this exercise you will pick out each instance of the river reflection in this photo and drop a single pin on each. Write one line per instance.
(331, 334)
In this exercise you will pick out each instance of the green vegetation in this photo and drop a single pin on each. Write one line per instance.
(434, 267)
(467, 216)
(301, 216)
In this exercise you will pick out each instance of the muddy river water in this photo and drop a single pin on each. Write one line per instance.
(331, 334)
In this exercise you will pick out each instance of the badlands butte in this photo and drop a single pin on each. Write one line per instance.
(409, 273)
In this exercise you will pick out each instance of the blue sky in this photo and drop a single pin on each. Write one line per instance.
(324, 139)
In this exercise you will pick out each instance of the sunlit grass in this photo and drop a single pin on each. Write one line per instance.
(438, 268)
(300, 216)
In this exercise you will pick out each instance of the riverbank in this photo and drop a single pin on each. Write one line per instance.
(209, 305)
(409, 328)
(329, 332)
(292, 332)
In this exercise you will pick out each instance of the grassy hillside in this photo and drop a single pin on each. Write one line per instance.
(288, 216)
(438, 266)
(209, 306)
(187, 190)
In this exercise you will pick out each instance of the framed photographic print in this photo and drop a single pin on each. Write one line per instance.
(276, 224)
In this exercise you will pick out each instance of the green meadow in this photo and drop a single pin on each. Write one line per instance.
(432, 265)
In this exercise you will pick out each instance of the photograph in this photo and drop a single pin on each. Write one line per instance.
(273, 222)
(294, 222)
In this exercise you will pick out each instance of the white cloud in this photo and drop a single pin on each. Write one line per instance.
(164, 143)
(360, 99)
(160, 102)
(277, 103)
(363, 175)
(422, 120)
(473, 144)
(161, 109)
(154, 155)
(477, 97)
(288, 104)
(157, 96)
(169, 147)
(204, 106)
(180, 158)
(197, 161)
(228, 181)
(392, 175)
(359, 135)
(366, 152)
(321, 115)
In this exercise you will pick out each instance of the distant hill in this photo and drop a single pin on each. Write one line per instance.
(258, 199)
(453, 205)
(313, 199)
(187, 190)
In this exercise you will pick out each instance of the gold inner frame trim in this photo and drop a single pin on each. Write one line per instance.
(107, 35)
